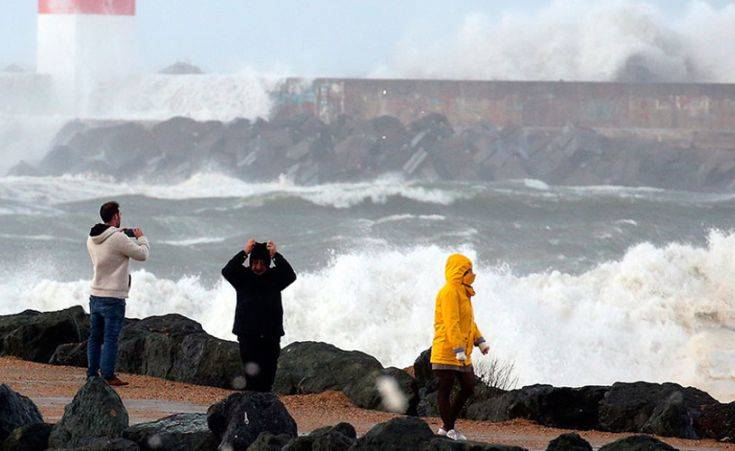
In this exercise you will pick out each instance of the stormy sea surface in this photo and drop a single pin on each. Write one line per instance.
(575, 285)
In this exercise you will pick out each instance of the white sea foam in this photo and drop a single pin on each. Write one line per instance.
(536, 184)
(409, 217)
(576, 40)
(24, 136)
(203, 97)
(38, 108)
(658, 314)
(41, 192)
(193, 241)
(628, 222)
(71, 188)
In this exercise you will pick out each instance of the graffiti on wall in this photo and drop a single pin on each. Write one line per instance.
(539, 104)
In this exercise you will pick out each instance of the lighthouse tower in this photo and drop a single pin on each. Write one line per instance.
(86, 41)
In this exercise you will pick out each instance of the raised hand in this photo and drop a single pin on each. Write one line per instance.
(272, 248)
(249, 246)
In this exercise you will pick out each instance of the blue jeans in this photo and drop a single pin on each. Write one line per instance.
(106, 318)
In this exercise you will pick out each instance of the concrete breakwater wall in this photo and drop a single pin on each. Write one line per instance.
(666, 106)
(600, 105)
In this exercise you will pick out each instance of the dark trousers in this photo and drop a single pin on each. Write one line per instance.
(106, 319)
(259, 356)
(449, 411)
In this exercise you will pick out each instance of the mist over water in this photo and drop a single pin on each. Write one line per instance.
(577, 40)
(27, 130)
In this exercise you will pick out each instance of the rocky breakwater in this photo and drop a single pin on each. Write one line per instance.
(309, 151)
(175, 347)
(96, 420)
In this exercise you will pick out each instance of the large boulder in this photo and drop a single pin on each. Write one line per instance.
(355, 156)
(177, 348)
(238, 420)
(391, 389)
(575, 408)
(312, 367)
(180, 432)
(16, 411)
(422, 371)
(131, 350)
(662, 409)
(269, 442)
(205, 360)
(569, 442)
(185, 144)
(110, 149)
(149, 346)
(331, 438)
(717, 421)
(429, 129)
(95, 412)
(70, 354)
(398, 434)
(638, 443)
(672, 418)
(35, 336)
(334, 438)
(32, 437)
(392, 137)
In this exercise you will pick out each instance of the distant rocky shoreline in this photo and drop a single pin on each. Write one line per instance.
(309, 151)
(176, 348)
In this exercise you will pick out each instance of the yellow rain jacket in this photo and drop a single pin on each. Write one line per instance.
(454, 322)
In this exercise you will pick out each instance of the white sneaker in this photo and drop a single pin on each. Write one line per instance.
(441, 432)
(455, 435)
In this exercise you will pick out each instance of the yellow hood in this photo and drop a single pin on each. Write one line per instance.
(457, 266)
(454, 321)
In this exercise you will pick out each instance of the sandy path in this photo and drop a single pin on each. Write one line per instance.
(148, 398)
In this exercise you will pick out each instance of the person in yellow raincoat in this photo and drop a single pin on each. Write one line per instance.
(455, 335)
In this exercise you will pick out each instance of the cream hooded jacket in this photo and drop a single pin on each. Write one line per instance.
(110, 250)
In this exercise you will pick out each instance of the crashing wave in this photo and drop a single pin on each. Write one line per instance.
(658, 314)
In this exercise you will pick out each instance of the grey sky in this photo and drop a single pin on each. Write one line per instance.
(319, 37)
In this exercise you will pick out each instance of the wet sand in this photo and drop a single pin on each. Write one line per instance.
(148, 398)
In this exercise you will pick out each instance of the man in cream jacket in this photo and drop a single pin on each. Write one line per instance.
(110, 248)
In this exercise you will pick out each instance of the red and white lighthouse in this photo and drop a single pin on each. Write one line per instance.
(82, 41)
